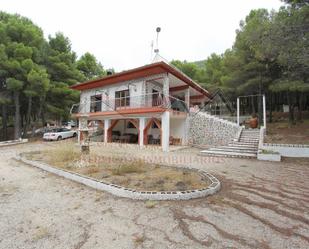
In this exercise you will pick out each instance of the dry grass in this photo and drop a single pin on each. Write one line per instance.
(134, 167)
(150, 204)
(137, 174)
(40, 233)
(62, 155)
(139, 239)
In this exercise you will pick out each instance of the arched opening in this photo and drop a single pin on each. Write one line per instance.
(123, 131)
(153, 132)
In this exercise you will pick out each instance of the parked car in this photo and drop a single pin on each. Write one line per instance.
(69, 124)
(59, 134)
(43, 130)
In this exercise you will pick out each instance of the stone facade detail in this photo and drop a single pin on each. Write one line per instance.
(205, 129)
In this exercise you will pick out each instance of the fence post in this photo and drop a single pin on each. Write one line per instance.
(238, 111)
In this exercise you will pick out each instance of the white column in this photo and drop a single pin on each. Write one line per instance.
(107, 123)
(142, 122)
(264, 111)
(166, 90)
(79, 132)
(187, 97)
(165, 125)
(238, 110)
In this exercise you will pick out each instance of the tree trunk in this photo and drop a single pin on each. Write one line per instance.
(270, 107)
(4, 122)
(300, 106)
(291, 108)
(17, 134)
(41, 110)
(252, 105)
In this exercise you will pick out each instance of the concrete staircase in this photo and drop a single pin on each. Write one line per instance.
(246, 146)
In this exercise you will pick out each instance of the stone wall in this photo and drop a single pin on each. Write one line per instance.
(206, 129)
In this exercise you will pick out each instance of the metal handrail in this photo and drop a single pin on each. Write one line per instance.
(129, 102)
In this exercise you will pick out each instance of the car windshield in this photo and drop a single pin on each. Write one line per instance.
(56, 130)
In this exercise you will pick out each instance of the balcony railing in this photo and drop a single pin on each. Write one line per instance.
(152, 100)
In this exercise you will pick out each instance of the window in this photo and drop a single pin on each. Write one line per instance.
(122, 98)
(96, 103)
(155, 98)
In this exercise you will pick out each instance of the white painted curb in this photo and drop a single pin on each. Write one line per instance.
(13, 142)
(130, 193)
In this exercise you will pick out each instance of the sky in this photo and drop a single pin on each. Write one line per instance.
(119, 32)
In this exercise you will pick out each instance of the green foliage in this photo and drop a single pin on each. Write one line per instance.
(39, 73)
(90, 67)
(270, 54)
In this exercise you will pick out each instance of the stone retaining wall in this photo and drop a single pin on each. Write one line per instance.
(130, 193)
(206, 129)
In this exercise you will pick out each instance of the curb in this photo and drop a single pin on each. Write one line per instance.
(13, 142)
(130, 193)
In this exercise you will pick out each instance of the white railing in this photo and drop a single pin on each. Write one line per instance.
(151, 100)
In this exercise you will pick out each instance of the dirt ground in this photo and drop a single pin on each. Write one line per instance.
(284, 133)
(261, 205)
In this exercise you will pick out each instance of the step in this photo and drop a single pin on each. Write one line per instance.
(255, 148)
(246, 136)
(242, 145)
(234, 150)
(248, 140)
(227, 154)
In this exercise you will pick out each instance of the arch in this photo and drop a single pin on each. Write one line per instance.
(148, 125)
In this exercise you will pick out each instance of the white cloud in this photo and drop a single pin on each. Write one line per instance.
(119, 32)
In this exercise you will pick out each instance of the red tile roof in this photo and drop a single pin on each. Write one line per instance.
(139, 72)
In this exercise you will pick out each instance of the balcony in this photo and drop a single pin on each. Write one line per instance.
(138, 103)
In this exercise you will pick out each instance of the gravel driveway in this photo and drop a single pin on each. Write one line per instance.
(261, 205)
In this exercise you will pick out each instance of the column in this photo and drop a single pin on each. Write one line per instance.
(166, 91)
(165, 126)
(107, 123)
(79, 138)
(82, 126)
(187, 98)
(142, 122)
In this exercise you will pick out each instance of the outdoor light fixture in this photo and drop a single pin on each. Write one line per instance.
(132, 84)
(101, 91)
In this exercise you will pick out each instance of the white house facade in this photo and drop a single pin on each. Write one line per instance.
(148, 105)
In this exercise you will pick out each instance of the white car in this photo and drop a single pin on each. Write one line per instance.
(59, 134)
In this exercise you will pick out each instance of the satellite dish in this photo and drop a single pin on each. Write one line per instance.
(158, 29)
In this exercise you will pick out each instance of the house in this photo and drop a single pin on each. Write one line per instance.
(144, 105)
